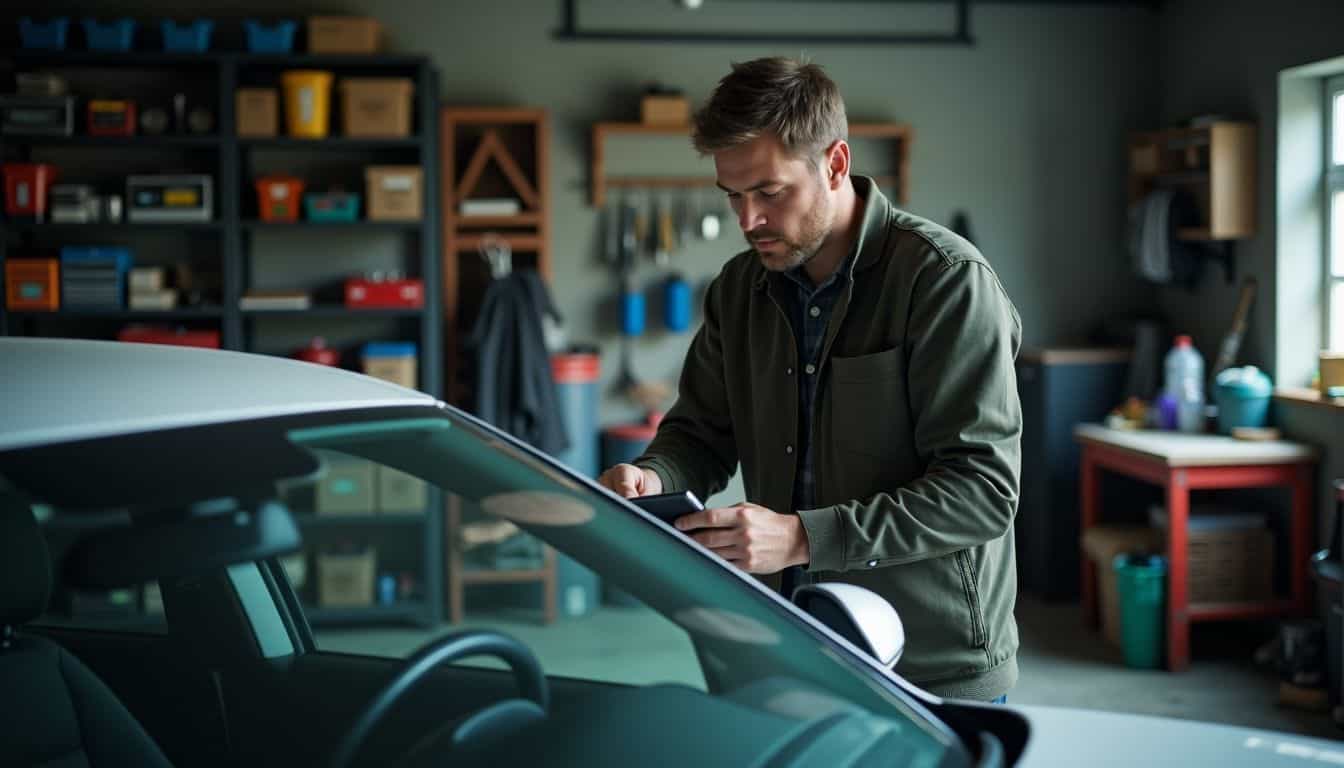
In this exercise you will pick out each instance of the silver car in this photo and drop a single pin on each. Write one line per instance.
(186, 468)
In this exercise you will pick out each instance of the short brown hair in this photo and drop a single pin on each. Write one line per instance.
(792, 99)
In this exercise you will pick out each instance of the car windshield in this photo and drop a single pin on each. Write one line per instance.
(737, 637)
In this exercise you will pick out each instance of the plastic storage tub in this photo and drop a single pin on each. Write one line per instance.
(193, 37)
(116, 36)
(276, 38)
(43, 35)
(1243, 397)
(331, 206)
(279, 198)
(307, 102)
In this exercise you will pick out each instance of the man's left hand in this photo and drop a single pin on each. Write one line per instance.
(753, 538)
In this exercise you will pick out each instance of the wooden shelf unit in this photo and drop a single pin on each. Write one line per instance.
(488, 152)
(900, 133)
(1215, 163)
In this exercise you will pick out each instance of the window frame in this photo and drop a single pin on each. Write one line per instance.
(1333, 178)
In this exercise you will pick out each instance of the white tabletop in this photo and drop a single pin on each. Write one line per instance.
(1178, 449)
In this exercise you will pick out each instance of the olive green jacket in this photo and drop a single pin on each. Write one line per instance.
(917, 431)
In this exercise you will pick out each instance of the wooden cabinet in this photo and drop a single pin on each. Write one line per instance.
(1214, 163)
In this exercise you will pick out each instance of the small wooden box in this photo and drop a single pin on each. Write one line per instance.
(376, 106)
(347, 488)
(344, 34)
(346, 580)
(258, 112)
(665, 110)
(33, 284)
(394, 192)
(1332, 371)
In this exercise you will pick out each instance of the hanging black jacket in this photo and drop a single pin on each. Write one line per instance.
(515, 390)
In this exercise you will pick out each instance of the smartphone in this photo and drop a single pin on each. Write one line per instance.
(668, 506)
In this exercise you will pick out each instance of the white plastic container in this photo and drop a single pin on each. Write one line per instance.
(1185, 384)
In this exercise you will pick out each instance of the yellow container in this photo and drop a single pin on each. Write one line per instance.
(307, 102)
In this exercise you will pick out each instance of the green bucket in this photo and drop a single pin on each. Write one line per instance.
(1141, 582)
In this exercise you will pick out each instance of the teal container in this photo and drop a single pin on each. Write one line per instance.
(332, 207)
(1141, 583)
(1243, 397)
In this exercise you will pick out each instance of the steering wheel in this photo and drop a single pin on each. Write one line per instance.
(504, 716)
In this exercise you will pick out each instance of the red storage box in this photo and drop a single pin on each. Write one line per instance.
(26, 186)
(279, 198)
(178, 337)
(108, 117)
(32, 284)
(398, 294)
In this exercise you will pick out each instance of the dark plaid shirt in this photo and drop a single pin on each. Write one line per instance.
(810, 314)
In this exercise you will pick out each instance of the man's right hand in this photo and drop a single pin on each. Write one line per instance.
(631, 481)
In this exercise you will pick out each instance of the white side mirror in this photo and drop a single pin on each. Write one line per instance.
(859, 615)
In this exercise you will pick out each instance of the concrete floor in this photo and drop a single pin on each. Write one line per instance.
(1062, 664)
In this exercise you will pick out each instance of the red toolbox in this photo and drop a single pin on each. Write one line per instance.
(109, 117)
(362, 292)
(162, 334)
(279, 198)
(26, 186)
(32, 284)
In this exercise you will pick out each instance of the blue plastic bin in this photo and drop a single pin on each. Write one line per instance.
(116, 36)
(43, 35)
(276, 38)
(331, 207)
(187, 38)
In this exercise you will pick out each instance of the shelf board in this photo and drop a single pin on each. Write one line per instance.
(328, 60)
(530, 219)
(128, 142)
(186, 313)
(405, 611)
(336, 310)
(1247, 610)
(332, 520)
(504, 576)
(662, 182)
(332, 143)
(280, 226)
(109, 226)
(113, 59)
(531, 243)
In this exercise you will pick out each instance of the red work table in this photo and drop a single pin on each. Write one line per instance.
(1181, 463)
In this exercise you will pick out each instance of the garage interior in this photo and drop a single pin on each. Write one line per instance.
(169, 181)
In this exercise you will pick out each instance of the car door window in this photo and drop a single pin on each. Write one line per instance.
(377, 537)
(137, 608)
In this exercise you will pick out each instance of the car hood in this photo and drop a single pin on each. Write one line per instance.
(1068, 737)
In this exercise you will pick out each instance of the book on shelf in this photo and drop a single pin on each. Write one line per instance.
(490, 206)
(154, 300)
(275, 300)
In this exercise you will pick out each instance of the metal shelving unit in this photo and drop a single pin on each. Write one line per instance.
(228, 234)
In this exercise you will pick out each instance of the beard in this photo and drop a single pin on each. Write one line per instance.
(801, 248)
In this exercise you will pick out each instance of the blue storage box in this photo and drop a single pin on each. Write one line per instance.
(331, 207)
(43, 35)
(94, 277)
(1243, 397)
(277, 38)
(187, 38)
(116, 35)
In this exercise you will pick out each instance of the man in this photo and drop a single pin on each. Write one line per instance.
(858, 361)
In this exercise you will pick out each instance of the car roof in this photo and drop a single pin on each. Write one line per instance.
(59, 390)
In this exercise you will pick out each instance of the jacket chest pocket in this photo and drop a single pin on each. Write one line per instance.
(868, 405)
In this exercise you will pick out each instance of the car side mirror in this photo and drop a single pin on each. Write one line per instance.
(859, 615)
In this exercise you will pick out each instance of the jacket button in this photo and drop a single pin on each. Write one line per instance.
(811, 369)
(788, 449)
(872, 563)
(815, 311)
(788, 371)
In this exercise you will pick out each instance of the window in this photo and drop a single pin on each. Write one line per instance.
(1334, 250)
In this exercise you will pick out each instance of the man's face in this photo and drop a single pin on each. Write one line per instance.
(782, 205)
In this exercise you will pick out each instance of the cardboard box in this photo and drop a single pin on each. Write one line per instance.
(396, 362)
(344, 34)
(1101, 544)
(664, 110)
(394, 192)
(258, 112)
(347, 487)
(346, 580)
(401, 493)
(378, 107)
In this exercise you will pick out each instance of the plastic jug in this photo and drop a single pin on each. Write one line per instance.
(1185, 384)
